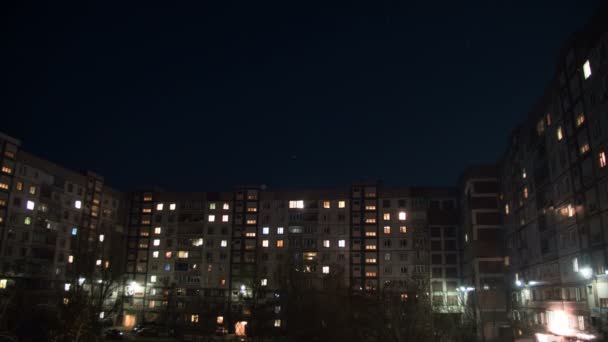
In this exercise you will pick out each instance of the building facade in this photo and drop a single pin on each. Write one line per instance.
(554, 197)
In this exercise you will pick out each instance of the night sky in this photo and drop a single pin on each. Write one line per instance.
(206, 95)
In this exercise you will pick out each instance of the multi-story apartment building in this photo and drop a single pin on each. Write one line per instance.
(212, 260)
(556, 195)
(483, 286)
(57, 226)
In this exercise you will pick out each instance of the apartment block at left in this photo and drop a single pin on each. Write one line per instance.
(58, 227)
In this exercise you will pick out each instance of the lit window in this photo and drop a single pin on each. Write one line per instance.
(252, 209)
(387, 216)
(570, 210)
(526, 192)
(264, 282)
(146, 210)
(341, 243)
(602, 157)
(370, 207)
(326, 204)
(155, 254)
(211, 206)
(341, 204)
(197, 242)
(277, 323)
(32, 190)
(326, 243)
(219, 319)
(585, 148)
(402, 216)
(159, 206)
(507, 209)
(466, 237)
(225, 218)
(575, 264)
(168, 255)
(587, 69)
(226, 206)
(211, 218)
(27, 220)
(370, 233)
(580, 119)
(7, 169)
(548, 118)
(540, 126)
(168, 267)
(98, 262)
(101, 237)
(325, 269)
(251, 221)
(66, 287)
(74, 231)
(370, 220)
(4, 186)
(19, 186)
(387, 229)
(299, 204)
(370, 260)
(280, 243)
(280, 230)
(370, 247)
(77, 204)
(264, 243)
(172, 206)
(265, 231)
(182, 254)
(224, 243)
(71, 259)
(3, 283)
(153, 279)
(156, 242)
(403, 229)
(157, 230)
(523, 173)
(370, 274)
(560, 133)
(250, 234)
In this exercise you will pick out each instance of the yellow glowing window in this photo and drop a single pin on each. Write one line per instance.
(370, 220)
(4, 186)
(326, 243)
(250, 234)
(370, 260)
(402, 216)
(387, 216)
(264, 282)
(252, 209)
(602, 157)
(326, 204)
(219, 319)
(277, 323)
(584, 148)
(146, 210)
(370, 274)
(32, 190)
(71, 259)
(403, 229)
(264, 243)
(526, 192)
(211, 206)
(341, 204)
(548, 119)
(560, 133)
(387, 229)
(19, 186)
(157, 230)
(370, 247)
(370, 207)
(370, 233)
(507, 209)
(251, 221)
(580, 119)
(182, 254)
(3, 283)
(159, 206)
(279, 243)
(27, 220)
(7, 169)
(194, 318)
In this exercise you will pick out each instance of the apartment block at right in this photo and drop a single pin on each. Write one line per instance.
(554, 198)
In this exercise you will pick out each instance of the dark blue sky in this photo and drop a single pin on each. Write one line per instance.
(207, 95)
